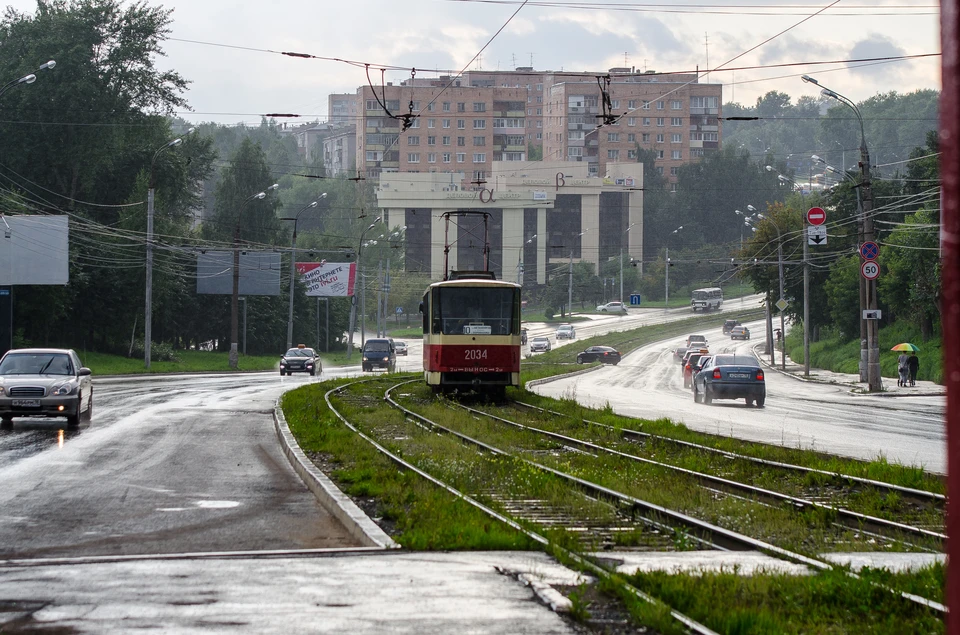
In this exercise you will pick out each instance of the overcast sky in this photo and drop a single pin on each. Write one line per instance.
(230, 83)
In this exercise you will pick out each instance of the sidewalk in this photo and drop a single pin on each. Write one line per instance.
(890, 388)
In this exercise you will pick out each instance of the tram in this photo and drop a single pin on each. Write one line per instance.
(471, 326)
(471, 334)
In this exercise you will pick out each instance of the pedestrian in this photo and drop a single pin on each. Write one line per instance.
(914, 365)
(903, 369)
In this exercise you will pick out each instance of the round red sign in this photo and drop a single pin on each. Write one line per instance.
(816, 216)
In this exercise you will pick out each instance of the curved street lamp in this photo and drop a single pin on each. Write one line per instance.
(353, 301)
(520, 266)
(293, 264)
(148, 308)
(869, 336)
(235, 299)
(666, 272)
(27, 79)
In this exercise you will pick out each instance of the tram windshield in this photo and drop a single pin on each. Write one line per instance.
(475, 311)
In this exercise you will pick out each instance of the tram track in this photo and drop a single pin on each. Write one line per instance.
(664, 520)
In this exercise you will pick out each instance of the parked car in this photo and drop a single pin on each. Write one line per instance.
(523, 336)
(379, 353)
(612, 307)
(300, 360)
(602, 354)
(566, 332)
(400, 348)
(696, 341)
(539, 345)
(44, 382)
(740, 333)
(728, 326)
(730, 377)
(689, 363)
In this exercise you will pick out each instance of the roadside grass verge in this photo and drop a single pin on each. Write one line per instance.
(416, 513)
(189, 362)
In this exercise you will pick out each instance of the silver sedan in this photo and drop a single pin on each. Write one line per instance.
(44, 382)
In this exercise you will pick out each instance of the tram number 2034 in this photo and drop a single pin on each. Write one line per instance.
(474, 354)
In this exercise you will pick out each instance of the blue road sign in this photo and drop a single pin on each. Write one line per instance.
(869, 250)
(399, 310)
(634, 299)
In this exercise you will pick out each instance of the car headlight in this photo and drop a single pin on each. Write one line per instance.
(64, 389)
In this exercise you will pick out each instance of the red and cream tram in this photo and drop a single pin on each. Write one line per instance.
(471, 334)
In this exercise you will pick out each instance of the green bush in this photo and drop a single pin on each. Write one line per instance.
(159, 352)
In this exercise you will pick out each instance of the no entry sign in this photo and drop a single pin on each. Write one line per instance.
(816, 216)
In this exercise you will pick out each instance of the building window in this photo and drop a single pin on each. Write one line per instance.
(574, 151)
(673, 188)
(431, 141)
(631, 121)
(696, 152)
(373, 155)
(539, 136)
(660, 156)
(461, 141)
(631, 154)
(613, 136)
(660, 122)
(646, 121)
(461, 157)
(446, 123)
(539, 86)
(479, 124)
(700, 102)
(660, 170)
(676, 121)
(372, 104)
(431, 123)
(445, 141)
(631, 137)
(413, 140)
(446, 157)
(413, 157)
(479, 157)
(432, 157)
(676, 138)
(674, 170)
(415, 123)
(479, 106)
(613, 154)
(646, 105)
(430, 107)
(659, 138)
(461, 106)
(676, 155)
(461, 124)
(614, 103)
(479, 141)
(645, 137)
(660, 105)
(676, 104)
(446, 106)
(539, 99)
(631, 104)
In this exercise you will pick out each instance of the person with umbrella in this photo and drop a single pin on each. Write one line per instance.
(907, 365)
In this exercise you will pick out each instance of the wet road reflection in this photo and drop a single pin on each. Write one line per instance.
(27, 437)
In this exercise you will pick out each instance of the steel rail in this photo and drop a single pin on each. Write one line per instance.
(852, 519)
(582, 561)
(920, 496)
(718, 534)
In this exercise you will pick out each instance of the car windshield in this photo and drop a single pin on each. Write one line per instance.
(377, 346)
(300, 352)
(565, 328)
(36, 364)
(539, 339)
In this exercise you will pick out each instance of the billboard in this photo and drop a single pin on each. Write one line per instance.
(328, 279)
(259, 273)
(34, 250)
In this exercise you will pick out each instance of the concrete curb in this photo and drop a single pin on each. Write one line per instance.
(329, 495)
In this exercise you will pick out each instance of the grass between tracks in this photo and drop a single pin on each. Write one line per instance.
(421, 516)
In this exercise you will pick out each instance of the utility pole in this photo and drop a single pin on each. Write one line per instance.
(570, 287)
(806, 303)
(666, 281)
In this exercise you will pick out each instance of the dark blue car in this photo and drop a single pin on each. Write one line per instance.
(730, 377)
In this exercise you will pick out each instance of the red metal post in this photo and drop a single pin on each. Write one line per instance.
(950, 293)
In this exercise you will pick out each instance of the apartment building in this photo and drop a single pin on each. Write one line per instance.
(463, 124)
(673, 115)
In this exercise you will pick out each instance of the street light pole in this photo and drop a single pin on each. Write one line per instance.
(666, 275)
(353, 298)
(520, 265)
(148, 300)
(293, 265)
(234, 300)
(783, 334)
(627, 234)
(869, 297)
(570, 286)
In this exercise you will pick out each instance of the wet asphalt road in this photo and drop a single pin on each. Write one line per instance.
(167, 465)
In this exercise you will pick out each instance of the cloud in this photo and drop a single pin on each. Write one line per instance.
(876, 45)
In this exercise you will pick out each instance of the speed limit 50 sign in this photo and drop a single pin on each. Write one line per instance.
(870, 270)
